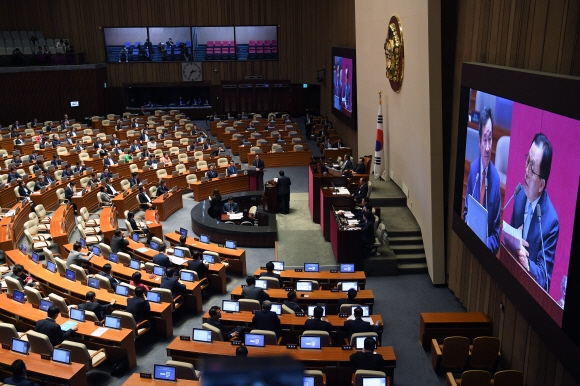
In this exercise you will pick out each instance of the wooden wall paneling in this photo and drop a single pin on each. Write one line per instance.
(246, 98)
(553, 35)
(537, 36)
(570, 33)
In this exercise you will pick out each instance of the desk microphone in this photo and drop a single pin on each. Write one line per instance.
(516, 191)
(539, 215)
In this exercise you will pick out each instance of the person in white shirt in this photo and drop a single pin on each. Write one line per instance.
(152, 145)
(144, 199)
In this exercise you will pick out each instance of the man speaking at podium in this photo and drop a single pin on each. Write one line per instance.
(535, 215)
(483, 183)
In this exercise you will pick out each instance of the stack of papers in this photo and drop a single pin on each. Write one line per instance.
(143, 250)
(512, 237)
(343, 191)
(352, 222)
(99, 331)
(177, 260)
(236, 216)
(348, 214)
(68, 325)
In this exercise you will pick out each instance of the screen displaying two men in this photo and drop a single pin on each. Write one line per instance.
(512, 151)
(342, 84)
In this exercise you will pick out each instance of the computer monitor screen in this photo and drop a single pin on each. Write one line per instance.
(277, 308)
(346, 285)
(261, 283)
(204, 239)
(183, 232)
(158, 270)
(96, 250)
(23, 249)
(278, 265)
(186, 276)
(230, 306)
(309, 342)
(83, 243)
(310, 267)
(19, 346)
(255, 340)
(135, 237)
(154, 245)
(113, 322)
(61, 355)
(311, 310)
(208, 259)
(366, 310)
(374, 381)
(308, 381)
(165, 373)
(304, 286)
(200, 335)
(122, 290)
(78, 315)
(135, 264)
(44, 304)
(178, 252)
(154, 297)
(35, 257)
(70, 274)
(360, 342)
(344, 268)
(230, 244)
(51, 266)
(114, 258)
(18, 296)
(94, 283)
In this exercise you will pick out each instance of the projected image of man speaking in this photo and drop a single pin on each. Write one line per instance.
(534, 213)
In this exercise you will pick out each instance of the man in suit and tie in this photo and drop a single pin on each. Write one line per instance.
(56, 162)
(19, 140)
(197, 265)
(114, 140)
(107, 161)
(144, 136)
(39, 184)
(211, 173)
(69, 141)
(135, 180)
(351, 299)
(359, 325)
(540, 226)
(32, 157)
(363, 190)
(215, 313)
(162, 188)
(79, 146)
(258, 163)
(55, 141)
(79, 168)
(99, 146)
(144, 199)
(48, 179)
(232, 170)
(284, 191)
(483, 182)
(110, 188)
(69, 192)
(152, 160)
(217, 151)
(67, 172)
(347, 164)
(51, 328)
(134, 123)
(253, 292)
(161, 258)
(12, 176)
(106, 173)
(100, 310)
(292, 303)
(138, 306)
(317, 323)
(328, 144)
(367, 359)
(265, 319)
(23, 191)
(270, 273)
(105, 197)
(135, 146)
(170, 282)
(230, 206)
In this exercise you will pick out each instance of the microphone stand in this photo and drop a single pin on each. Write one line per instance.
(539, 214)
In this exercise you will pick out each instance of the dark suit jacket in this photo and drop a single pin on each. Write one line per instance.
(106, 175)
(266, 320)
(108, 162)
(231, 170)
(492, 202)
(227, 208)
(114, 142)
(172, 284)
(293, 306)
(284, 185)
(359, 325)
(68, 193)
(259, 164)
(550, 232)
(362, 192)
(19, 381)
(212, 174)
(99, 309)
(119, 244)
(143, 198)
(23, 191)
(111, 279)
(318, 324)
(51, 328)
(161, 190)
(38, 185)
(134, 181)
(347, 165)
(272, 274)
(139, 308)
(256, 293)
(360, 169)
(217, 324)
(367, 361)
(197, 266)
(368, 233)
(162, 260)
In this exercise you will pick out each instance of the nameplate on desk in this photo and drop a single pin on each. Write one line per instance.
(183, 337)
(6, 346)
(334, 290)
(44, 266)
(346, 347)
(145, 375)
(343, 315)
(300, 314)
(292, 346)
(98, 324)
(289, 288)
(46, 357)
(334, 271)
(111, 291)
(236, 343)
(298, 270)
(83, 282)
(244, 286)
(61, 274)
(64, 315)
(263, 268)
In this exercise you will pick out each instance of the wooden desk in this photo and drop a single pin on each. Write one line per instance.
(108, 221)
(244, 150)
(328, 200)
(180, 181)
(42, 370)
(334, 361)
(325, 279)
(316, 180)
(136, 380)
(202, 190)
(166, 207)
(88, 199)
(235, 257)
(346, 243)
(330, 299)
(62, 224)
(440, 325)
(117, 343)
(48, 199)
(12, 228)
(153, 223)
(289, 158)
(335, 153)
(128, 202)
(7, 196)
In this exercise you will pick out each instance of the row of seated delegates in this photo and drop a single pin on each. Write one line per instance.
(328, 144)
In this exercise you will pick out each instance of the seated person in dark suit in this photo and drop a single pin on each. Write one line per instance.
(32, 157)
(19, 140)
(19, 275)
(51, 328)
(39, 166)
(359, 325)
(350, 300)
(79, 168)
(360, 168)
(135, 180)
(362, 191)
(106, 173)
(56, 162)
(368, 232)
(367, 359)
(170, 282)
(270, 272)
(67, 172)
(23, 191)
(12, 176)
(151, 161)
(215, 313)
(119, 243)
(47, 177)
(144, 199)
(252, 292)
(316, 323)
(138, 306)
(69, 191)
(18, 378)
(197, 265)
(94, 179)
(114, 140)
(108, 161)
(91, 305)
(162, 188)
(106, 273)
(232, 170)
(265, 319)
(161, 258)
(16, 160)
(291, 302)
(231, 206)
(217, 151)
(211, 173)
(39, 184)
(55, 141)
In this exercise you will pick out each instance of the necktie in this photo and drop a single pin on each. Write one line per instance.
(528, 221)
(482, 193)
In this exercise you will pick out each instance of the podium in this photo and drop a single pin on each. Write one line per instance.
(270, 197)
(256, 179)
